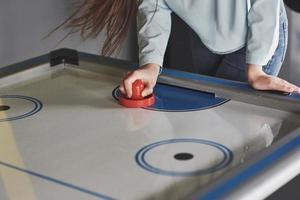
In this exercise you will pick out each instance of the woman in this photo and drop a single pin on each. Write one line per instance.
(240, 40)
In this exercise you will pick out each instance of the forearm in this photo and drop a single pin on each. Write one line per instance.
(253, 71)
(153, 66)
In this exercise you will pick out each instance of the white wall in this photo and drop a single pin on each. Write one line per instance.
(23, 24)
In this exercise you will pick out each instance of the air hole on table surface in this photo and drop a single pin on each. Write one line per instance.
(183, 156)
(4, 108)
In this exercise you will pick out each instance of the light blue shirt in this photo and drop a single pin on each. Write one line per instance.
(224, 26)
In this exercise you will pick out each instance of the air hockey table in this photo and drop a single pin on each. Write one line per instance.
(63, 134)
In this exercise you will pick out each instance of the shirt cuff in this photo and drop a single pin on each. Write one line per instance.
(257, 60)
(155, 59)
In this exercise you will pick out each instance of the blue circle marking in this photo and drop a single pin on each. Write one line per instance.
(227, 158)
(175, 99)
(37, 106)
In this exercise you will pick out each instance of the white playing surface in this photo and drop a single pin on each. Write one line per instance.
(82, 144)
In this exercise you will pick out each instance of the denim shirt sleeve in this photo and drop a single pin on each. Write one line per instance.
(154, 27)
(263, 30)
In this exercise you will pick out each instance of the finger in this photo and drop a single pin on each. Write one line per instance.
(148, 90)
(288, 87)
(282, 85)
(122, 89)
(128, 83)
(295, 87)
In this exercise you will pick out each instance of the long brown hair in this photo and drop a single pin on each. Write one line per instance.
(93, 16)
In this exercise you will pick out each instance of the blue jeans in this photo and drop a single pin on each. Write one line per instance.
(233, 65)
